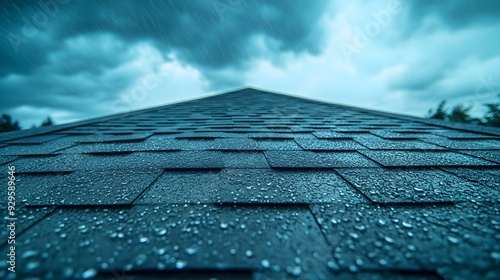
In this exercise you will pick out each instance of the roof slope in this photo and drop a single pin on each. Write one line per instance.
(255, 185)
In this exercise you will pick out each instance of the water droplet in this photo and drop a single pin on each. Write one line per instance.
(180, 264)
(354, 235)
(407, 225)
(223, 225)
(191, 251)
(495, 255)
(296, 271)
(388, 239)
(381, 222)
(249, 253)
(360, 227)
(89, 273)
(29, 254)
(453, 240)
(32, 265)
(333, 266)
(143, 239)
(382, 262)
(265, 263)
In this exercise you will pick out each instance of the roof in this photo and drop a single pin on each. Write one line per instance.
(251, 184)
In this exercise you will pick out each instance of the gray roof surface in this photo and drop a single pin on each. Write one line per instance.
(255, 185)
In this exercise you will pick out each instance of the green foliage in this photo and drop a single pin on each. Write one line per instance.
(47, 122)
(459, 113)
(440, 112)
(6, 124)
(492, 117)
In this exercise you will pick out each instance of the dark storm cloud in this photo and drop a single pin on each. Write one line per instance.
(207, 34)
(455, 14)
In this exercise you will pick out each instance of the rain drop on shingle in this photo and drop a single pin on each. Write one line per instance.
(265, 263)
(32, 265)
(89, 273)
(180, 264)
(453, 239)
(191, 251)
(407, 225)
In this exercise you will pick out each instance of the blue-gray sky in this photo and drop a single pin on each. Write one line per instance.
(74, 59)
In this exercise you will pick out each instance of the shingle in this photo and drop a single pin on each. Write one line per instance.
(331, 135)
(393, 135)
(103, 138)
(296, 159)
(39, 149)
(194, 237)
(460, 135)
(180, 160)
(487, 155)
(5, 159)
(486, 177)
(26, 217)
(89, 188)
(278, 145)
(39, 139)
(133, 161)
(385, 144)
(415, 186)
(234, 144)
(244, 160)
(423, 158)
(485, 144)
(271, 136)
(257, 186)
(445, 239)
(328, 145)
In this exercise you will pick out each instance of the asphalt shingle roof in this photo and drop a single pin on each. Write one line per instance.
(255, 185)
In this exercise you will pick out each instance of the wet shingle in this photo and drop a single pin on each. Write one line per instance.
(256, 186)
(328, 145)
(486, 177)
(485, 144)
(26, 217)
(366, 238)
(244, 160)
(33, 140)
(488, 155)
(296, 159)
(175, 237)
(415, 186)
(103, 138)
(423, 158)
(385, 144)
(119, 187)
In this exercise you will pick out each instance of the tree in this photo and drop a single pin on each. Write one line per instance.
(461, 114)
(492, 117)
(440, 112)
(6, 124)
(47, 122)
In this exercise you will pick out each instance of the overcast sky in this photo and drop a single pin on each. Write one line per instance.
(74, 59)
